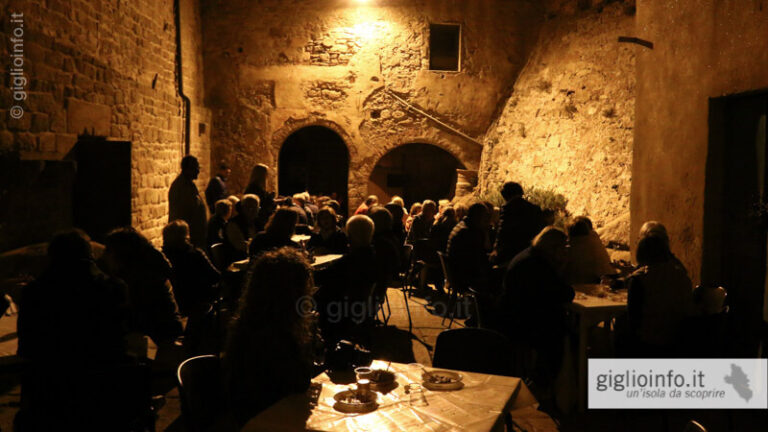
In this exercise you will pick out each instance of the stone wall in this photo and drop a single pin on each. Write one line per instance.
(273, 67)
(104, 68)
(702, 50)
(568, 123)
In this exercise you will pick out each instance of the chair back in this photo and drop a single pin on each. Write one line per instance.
(450, 282)
(217, 256)
(201, 393)
(474, 350)
(406, 253)
(694, 426)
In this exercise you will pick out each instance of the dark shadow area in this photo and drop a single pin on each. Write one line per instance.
(415, 172)
(736, 213)
(102, 191)
(314, 159)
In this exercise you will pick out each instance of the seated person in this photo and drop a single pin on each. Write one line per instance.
(193, 276)
(398, 222)
(301, 201)
(131, 257)
(218, 223)
(49, 327)
(421, 225)
(270, 350)
(347, 285)
(588, 260)
(242, 228)
(658, 229)
(443, 227)
(329, 238)
(387, 251)
(533, 306)
(415, 211)
(369, 202)
(278, 232)
(660, 298)
(337, 208)
(467, 250)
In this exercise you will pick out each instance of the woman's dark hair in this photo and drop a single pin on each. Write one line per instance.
(397, 213)
(581, 226)
(282, 223)
(69, 246)
(652, 249)
(325, 212)
(276, 284)
(382, 219)
(128, 245)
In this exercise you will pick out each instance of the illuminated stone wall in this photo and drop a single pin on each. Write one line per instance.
(272, 68)
(108, 68)
(568, 124)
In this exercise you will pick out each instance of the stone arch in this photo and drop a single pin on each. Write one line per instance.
(443, 159)
(300, 135)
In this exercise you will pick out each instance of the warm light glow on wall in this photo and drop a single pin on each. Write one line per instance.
(362, 1)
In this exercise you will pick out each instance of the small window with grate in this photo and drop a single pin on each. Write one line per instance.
(444, 47)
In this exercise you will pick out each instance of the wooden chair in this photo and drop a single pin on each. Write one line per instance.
(474, 350)
(200, 391)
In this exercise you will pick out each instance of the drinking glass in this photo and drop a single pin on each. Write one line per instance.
(416, 396)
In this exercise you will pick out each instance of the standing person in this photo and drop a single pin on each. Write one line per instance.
(519, 222)
(257, 185)
(185, 202)
(217, 187)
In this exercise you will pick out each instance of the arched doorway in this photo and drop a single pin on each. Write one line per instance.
(416, 172)
(314, 159)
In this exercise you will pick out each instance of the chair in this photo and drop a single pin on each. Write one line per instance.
(474, 350)
(201, 392)
(217, 256)
(694, 426)
(405, 256)
(454, 290)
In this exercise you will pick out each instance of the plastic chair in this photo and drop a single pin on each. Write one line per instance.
(694, 426)
(217, 256)
(474, 350)
(200, 392)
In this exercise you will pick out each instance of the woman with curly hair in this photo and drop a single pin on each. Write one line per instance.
(269, 353)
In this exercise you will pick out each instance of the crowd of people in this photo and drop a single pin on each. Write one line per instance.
(521, 267)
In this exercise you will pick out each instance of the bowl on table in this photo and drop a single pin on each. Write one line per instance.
(355, 402)
(442, 380)
(381, 380)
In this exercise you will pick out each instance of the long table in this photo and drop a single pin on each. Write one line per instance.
(478, 406)
(593, 304)
(320, 262)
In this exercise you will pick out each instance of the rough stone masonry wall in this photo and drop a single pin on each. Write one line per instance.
(108, 67)
(273, 67)
(568, 123)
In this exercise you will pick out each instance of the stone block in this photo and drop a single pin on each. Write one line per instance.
(86, 117)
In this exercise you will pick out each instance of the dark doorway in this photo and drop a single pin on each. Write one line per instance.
(736, 211)
(102, 192)
(415, 172)
(314, 159)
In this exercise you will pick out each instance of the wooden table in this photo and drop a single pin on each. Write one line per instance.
(476, 407)
(593, 304)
